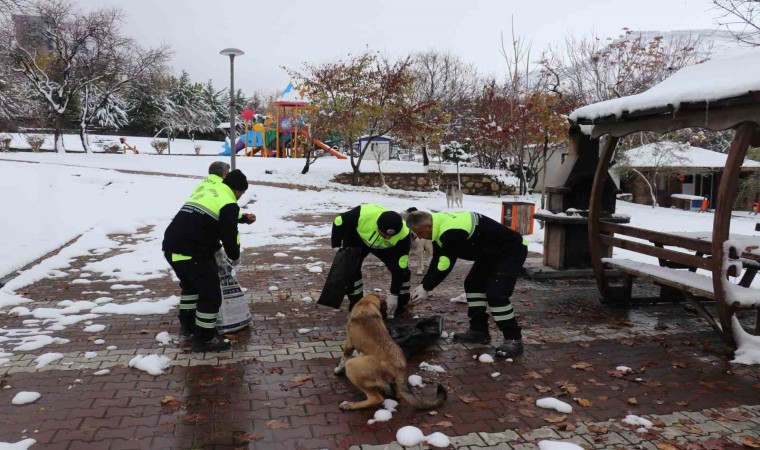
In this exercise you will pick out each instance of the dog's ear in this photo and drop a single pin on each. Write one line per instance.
(412, 209)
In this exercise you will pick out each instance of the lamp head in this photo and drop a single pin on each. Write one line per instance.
(232, 52)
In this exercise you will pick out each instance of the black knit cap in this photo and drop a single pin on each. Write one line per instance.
(236, 180)
(390, 222)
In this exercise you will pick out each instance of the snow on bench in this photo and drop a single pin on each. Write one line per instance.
(694, 283)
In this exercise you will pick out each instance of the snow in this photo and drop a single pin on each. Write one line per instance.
(102, 372)
(495, 374)
(553, 403)
(141, 307)
(438, 439)
(624, 369)
(280, 255)
(99, 342)
(462, 298)
(25, 397)
(315, 269)
(164, 338)
(90, 355)
(416, 380)
(20, 445)
(729, 75)
(485, 358)
(431, 367)
(390, 404)
(381, 415)
(47, 358)
(409, 436)
(687, 197)
(94, 328)
(152, 364)
(638, 421)
(748, 346)
(558, 445)
(35, 342)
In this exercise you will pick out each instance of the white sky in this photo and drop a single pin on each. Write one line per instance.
(275, 34)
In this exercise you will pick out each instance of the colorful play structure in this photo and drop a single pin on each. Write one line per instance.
(282, 134)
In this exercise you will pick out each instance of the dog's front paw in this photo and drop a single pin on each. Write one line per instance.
(340, 370)
(346, 405)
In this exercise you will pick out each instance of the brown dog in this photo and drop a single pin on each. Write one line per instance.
(381, 367)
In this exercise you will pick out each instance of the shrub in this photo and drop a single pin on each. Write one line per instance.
(35, 141)
(159, 145)
(5, 142)
(197, 148)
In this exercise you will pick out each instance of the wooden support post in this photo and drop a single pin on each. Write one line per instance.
(722, 224)
(594, 213)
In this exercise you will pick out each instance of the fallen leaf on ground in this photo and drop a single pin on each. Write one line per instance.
(542, 389)
(652, 384)
(617, 373)
(680, 364)
(277, 425)
(603, 398)
(526, 412)
(666, 446)
(512, 397)
(532, 375)
(584, 402)
(597, 429)
(633, 401)
(584, 344)
(551, 418)
(302, 378)
(468, 398)
(247, 437)
(751, 442)
(444, 423)
(583, 366)
(433, 413)
(564, 426)
(682, 403)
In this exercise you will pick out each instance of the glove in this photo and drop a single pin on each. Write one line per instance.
(250, 218)
(235, 262)
(392, 302)
(419, 294)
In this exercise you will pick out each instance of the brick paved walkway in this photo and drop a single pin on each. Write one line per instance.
(275, 389)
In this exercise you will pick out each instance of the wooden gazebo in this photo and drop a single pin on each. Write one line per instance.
(719, 94)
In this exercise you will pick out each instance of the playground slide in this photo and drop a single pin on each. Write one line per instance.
(325, 147)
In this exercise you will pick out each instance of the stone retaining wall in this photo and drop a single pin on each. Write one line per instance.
(472, 183)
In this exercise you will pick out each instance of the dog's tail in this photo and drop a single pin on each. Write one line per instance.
(403, 391)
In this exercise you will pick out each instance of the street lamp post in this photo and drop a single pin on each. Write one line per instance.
(232, 53)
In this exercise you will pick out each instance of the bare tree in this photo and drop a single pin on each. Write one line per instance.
(742, 18)
(64, 53)
(441, 79)
(118, 64)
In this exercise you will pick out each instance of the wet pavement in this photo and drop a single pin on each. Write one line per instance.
(276, 388)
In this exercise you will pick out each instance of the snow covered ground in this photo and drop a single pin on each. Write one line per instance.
(57, 198)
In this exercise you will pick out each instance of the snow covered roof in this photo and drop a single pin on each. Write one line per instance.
(673, 154)
(727, 76)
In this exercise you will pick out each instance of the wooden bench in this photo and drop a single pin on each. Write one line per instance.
(670, 272)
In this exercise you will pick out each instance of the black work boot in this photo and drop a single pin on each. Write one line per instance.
(473, 337)
(209, 343)
(510, 348)
(186, 327)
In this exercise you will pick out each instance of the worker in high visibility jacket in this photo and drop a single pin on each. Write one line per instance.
(209, 216)
(383, 233)
(498, 253)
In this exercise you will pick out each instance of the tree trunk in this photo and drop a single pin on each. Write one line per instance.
(425, 159)
(649, 186)
(306, 165)
(83, 137)
(58, 134)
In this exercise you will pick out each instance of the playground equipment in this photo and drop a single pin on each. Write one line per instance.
(126, 147)
(285, 136)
